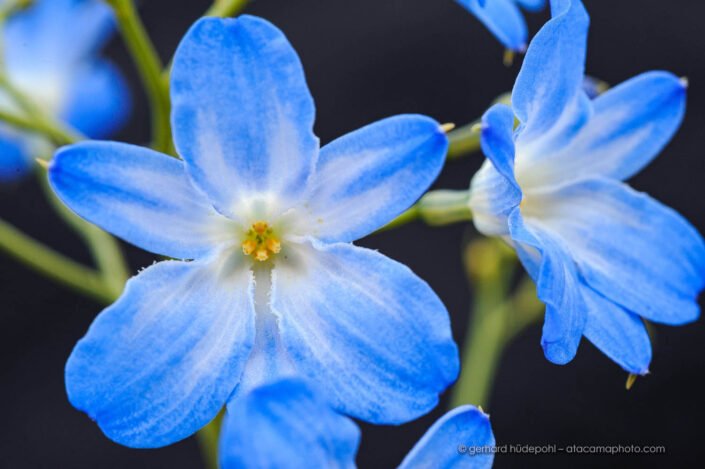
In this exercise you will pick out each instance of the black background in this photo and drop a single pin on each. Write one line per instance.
(365, 60)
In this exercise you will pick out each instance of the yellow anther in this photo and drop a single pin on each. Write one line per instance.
(262, 254)
(249, 246)
(260, 227)
(274, 245)
(260, 242)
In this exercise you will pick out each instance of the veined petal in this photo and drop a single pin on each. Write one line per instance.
(503, 18)
(366, 330)
(98, 102)
(549, 263)
(494, 191)
(139, 195)
(464, 426)
(366, 178)
(286, 425)
(160, 363)
(630, 248)
(242, 113)
(631, 124)
(619, 334)
(552, 72)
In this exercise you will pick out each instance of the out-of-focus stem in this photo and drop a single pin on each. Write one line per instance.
(225, 8)
(52, 264)
(436, 208)
(149, 67)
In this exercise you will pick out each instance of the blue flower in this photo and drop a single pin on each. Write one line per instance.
(51, 55)
(504, 19)
(603, 256)
(287, 424)
(275, 286)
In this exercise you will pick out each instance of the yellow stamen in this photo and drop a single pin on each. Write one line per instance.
(260, 227)
(262, 254)
(249, 246)
(274, 245)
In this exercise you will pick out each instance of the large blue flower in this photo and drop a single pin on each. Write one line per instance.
(504, 19)
(275, 286)
(603, 255)
(51, 55)
(287, 424)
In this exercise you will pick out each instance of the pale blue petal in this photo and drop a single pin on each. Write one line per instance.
(98, 101)
(242, 113)
(548, 261)
(14, 160)
(286, 425)
(494, 191)
(503, 18)
(619, 334)
(366, 178)
(366, 330)
(630, 248)
(464, 427)
(552, 72)
(139, 195)
(161, 362)
(631, 124)
(53, 36)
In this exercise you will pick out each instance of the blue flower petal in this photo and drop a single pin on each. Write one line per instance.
(98, 102)
(619, 334)
(463, 427)
(503, 18)
(139, 195)
(14, 162)
(532, 5)
(552, 72)
(160, 363)
(494, 191)
(286, 425)
(631, 124)
(54, 36)
(549, 263)
(366, 178)
(242, 113)
(368, 331)
(630, 248)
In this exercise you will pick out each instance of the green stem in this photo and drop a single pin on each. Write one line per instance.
(208, 438)
(225, 8)
(495, 320)
(58, 135)
(52, 264)
(436, 208)
(463, 141)
(149, 67)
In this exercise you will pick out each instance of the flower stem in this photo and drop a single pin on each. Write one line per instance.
(149, 67)
(495, 320)
(463, 141)
(436, 208)
(52, 264)
(208, 438)
(225, 8)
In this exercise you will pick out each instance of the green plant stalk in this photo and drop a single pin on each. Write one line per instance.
(495, 320)
(208, 438)
(436, 208)
(149, 67)
(463, 141)
(225, 8)
(52, 264)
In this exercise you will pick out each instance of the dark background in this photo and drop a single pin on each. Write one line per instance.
(365, 60)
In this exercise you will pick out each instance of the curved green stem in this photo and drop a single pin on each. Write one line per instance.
(495, 319)
(149, 67)
(225, 8)
(52, 264)
(436, 208)
(464, 141)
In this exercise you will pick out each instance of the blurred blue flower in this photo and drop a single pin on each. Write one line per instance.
(275, 286)
(50, 54)
(504, 19)
(287, 424)
(603, 255)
